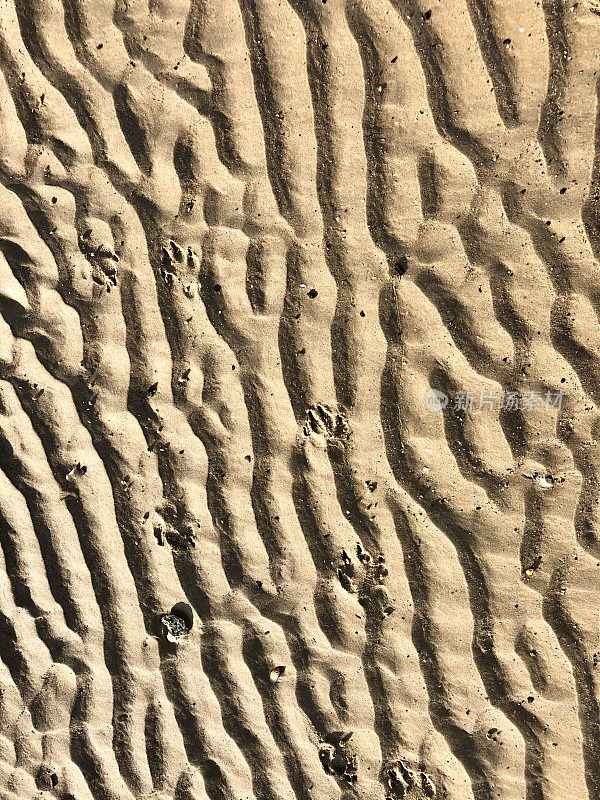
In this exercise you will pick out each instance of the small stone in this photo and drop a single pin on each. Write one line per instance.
(178, 623)
(175, 627)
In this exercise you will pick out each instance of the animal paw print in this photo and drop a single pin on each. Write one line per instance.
(324, 421)
(346, 573)
(170, 529)
(180, 264)
(103, 259)
(367, 579)
(401, 781)
(337, 756)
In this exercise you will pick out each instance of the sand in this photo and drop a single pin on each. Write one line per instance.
(299, 400)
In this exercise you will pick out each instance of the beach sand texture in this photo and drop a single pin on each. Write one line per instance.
(244, 555)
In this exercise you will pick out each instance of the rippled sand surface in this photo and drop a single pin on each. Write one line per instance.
(299, 400)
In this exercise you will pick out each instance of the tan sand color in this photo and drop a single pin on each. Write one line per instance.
(299, 400)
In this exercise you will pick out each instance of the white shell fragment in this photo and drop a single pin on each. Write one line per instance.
(276, 673)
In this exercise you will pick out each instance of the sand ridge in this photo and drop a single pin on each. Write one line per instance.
(244, 556)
